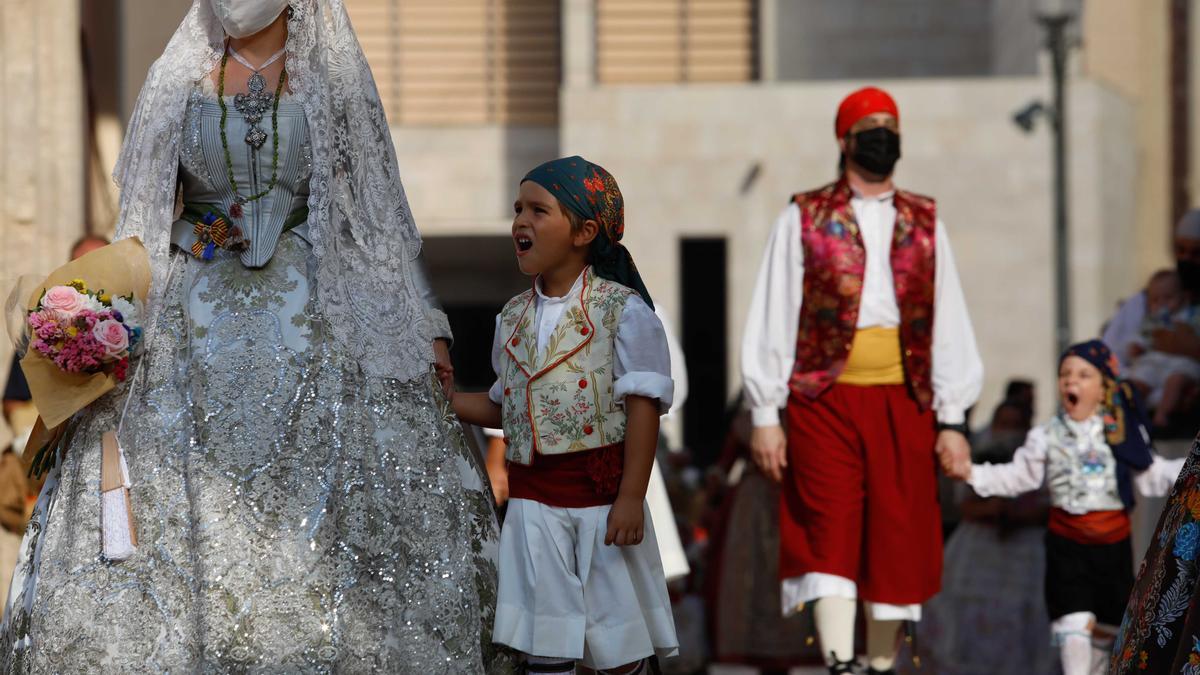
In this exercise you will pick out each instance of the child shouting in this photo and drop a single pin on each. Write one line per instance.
(583, 374)
(1091, 455)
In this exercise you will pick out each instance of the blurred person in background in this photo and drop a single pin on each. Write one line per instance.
(1125, 329)
(990, 617)
(1166, 381)
(743, 590)
(1020, 392)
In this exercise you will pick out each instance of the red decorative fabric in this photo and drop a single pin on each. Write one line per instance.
(860, 496)
(866, 101)
(574, 480)
(1097, 527)
(834, 263)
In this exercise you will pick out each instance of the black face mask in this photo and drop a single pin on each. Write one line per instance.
(1189, 276)
(876, 150)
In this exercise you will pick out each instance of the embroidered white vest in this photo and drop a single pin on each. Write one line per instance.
(1081, 469)
(560, 399)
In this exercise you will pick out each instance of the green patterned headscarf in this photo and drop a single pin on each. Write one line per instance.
(591, 193)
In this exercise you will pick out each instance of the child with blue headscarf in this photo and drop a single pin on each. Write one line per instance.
(582, 375)
(1092, 455)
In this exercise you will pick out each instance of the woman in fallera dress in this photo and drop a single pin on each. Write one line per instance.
(303, 497)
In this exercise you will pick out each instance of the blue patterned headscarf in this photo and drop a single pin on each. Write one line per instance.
(591, 193)
(1124, 424)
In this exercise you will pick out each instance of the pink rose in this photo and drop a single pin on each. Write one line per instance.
(112, 336)
(64, 301)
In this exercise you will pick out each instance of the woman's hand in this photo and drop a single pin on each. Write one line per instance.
(625, 523)
(443, 368)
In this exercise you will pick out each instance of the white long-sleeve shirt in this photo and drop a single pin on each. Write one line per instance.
(769, 342)
(1028, 471)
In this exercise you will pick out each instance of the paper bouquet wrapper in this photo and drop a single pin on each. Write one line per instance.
(122, 268)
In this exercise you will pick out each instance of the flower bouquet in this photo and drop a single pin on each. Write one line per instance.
(79, 328)
(86, 331)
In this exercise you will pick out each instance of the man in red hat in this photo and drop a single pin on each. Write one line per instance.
(859, 329)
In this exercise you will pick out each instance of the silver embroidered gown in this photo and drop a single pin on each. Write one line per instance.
(293, 514)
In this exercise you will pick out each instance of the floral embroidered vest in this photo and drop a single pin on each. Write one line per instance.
(560, 399)
(834, 265)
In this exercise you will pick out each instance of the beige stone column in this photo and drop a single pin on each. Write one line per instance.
(579, 43)
(41, 141)
(768, 37)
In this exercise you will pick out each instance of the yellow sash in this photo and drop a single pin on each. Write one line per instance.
(874, 358)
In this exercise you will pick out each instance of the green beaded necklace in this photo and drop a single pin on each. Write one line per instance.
(274, 140)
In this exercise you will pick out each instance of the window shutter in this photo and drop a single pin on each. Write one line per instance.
(657, 41)
(462, 62)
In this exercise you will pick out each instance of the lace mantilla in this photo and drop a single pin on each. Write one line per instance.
(364, 239)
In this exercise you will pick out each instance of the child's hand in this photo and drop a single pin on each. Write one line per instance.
(443, 368)
(625, 522)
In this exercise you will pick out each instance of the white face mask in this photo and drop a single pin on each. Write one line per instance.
(243, 18)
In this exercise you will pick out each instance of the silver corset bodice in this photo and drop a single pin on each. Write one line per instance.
(204, 172)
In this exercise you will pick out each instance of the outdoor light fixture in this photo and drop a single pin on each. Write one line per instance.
(1026, 117)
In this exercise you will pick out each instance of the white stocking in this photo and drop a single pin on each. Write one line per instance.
(1073, 635)
(1102, 646)
(881, 643)
(834, 619)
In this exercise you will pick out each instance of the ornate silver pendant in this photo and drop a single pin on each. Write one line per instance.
(253, 106)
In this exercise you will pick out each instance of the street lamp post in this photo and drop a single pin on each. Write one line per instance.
(1056, 43)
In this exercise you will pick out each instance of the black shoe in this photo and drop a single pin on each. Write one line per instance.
(841, 667)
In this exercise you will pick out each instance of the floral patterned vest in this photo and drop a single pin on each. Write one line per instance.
(834, 265)
(560, 399)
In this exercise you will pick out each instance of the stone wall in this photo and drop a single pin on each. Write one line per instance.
(41, 155)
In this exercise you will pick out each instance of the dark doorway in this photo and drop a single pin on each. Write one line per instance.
(704, 340)
(473, 278)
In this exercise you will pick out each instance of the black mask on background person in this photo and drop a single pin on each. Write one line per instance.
(1189, 276)
(876, 150)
